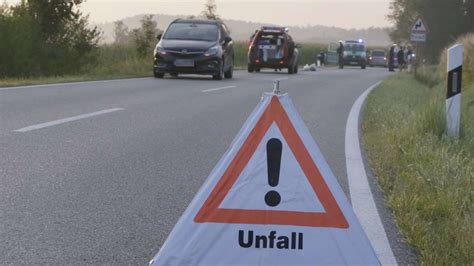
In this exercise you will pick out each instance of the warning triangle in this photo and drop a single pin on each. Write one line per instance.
(419, 25)
(274, 113)
(253, 184)
(271, 200)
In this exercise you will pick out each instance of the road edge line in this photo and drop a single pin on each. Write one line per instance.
(68, 83)
(361, 195)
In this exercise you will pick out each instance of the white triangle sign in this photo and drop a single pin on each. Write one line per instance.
(419, 26)
(271, 200)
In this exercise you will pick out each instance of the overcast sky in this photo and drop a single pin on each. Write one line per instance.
(340, 13)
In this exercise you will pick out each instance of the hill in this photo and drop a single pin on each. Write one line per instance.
(241, 31)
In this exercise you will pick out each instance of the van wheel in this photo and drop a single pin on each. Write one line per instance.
(291, 70)
(363, 66)
(296, 68)
(250, 68)
(257, 70)
(159, 75)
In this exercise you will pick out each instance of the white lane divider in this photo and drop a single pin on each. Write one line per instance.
(361, 196)
(66, 120)
(218, 89)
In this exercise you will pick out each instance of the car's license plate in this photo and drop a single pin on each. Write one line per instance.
(184, 63)
(353, 63)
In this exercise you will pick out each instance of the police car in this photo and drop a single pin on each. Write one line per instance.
(355, 54)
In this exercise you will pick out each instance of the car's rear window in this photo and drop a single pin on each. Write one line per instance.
(192, 31)
(378, 53)
(270, 38)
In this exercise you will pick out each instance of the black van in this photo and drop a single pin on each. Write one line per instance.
(191, 46)
(272, 47)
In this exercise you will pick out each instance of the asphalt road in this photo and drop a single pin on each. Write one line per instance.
(108, 187)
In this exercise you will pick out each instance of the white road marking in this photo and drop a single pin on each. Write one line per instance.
(66, 84)
(218, 89)
(66, 120)
(361, 196)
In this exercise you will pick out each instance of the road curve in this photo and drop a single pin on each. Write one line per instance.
(99, 172)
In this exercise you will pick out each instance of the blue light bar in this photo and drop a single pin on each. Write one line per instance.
(274, 29)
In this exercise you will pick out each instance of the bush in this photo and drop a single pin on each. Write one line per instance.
(428, 75)
(468, 64)
(45, 38)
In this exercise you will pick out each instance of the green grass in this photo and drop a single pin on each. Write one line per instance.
(426, 177)
(113, 62)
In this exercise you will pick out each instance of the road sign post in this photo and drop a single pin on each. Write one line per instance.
(453, 95)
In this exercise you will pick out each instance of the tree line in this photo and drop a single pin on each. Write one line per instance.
(53, 38)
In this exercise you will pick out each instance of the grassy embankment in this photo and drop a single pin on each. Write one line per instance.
(115, 62)
(426, 177)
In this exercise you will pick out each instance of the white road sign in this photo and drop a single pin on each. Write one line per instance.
(418, 31)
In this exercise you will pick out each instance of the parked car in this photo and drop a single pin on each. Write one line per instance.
(378, 58)
(272, 47)
(192, 46)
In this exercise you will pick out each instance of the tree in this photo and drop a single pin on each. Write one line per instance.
(41, 37)
(145, 37)
(121, 32)
(446, 20)
(210, 10)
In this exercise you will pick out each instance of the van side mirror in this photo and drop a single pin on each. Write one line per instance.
(227, 39)
(299, 46)
(158, 37)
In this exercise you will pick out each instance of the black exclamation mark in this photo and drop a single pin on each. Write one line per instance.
(274, 149)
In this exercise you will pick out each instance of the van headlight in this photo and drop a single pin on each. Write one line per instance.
(212, 51)
(160, 51)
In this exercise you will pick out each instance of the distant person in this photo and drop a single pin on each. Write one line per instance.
(322, 58)
(340, 53)
(410, 59)
(391, 58)
(401, 58)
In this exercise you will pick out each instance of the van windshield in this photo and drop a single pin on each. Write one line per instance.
(354, 47)
(192, 31)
